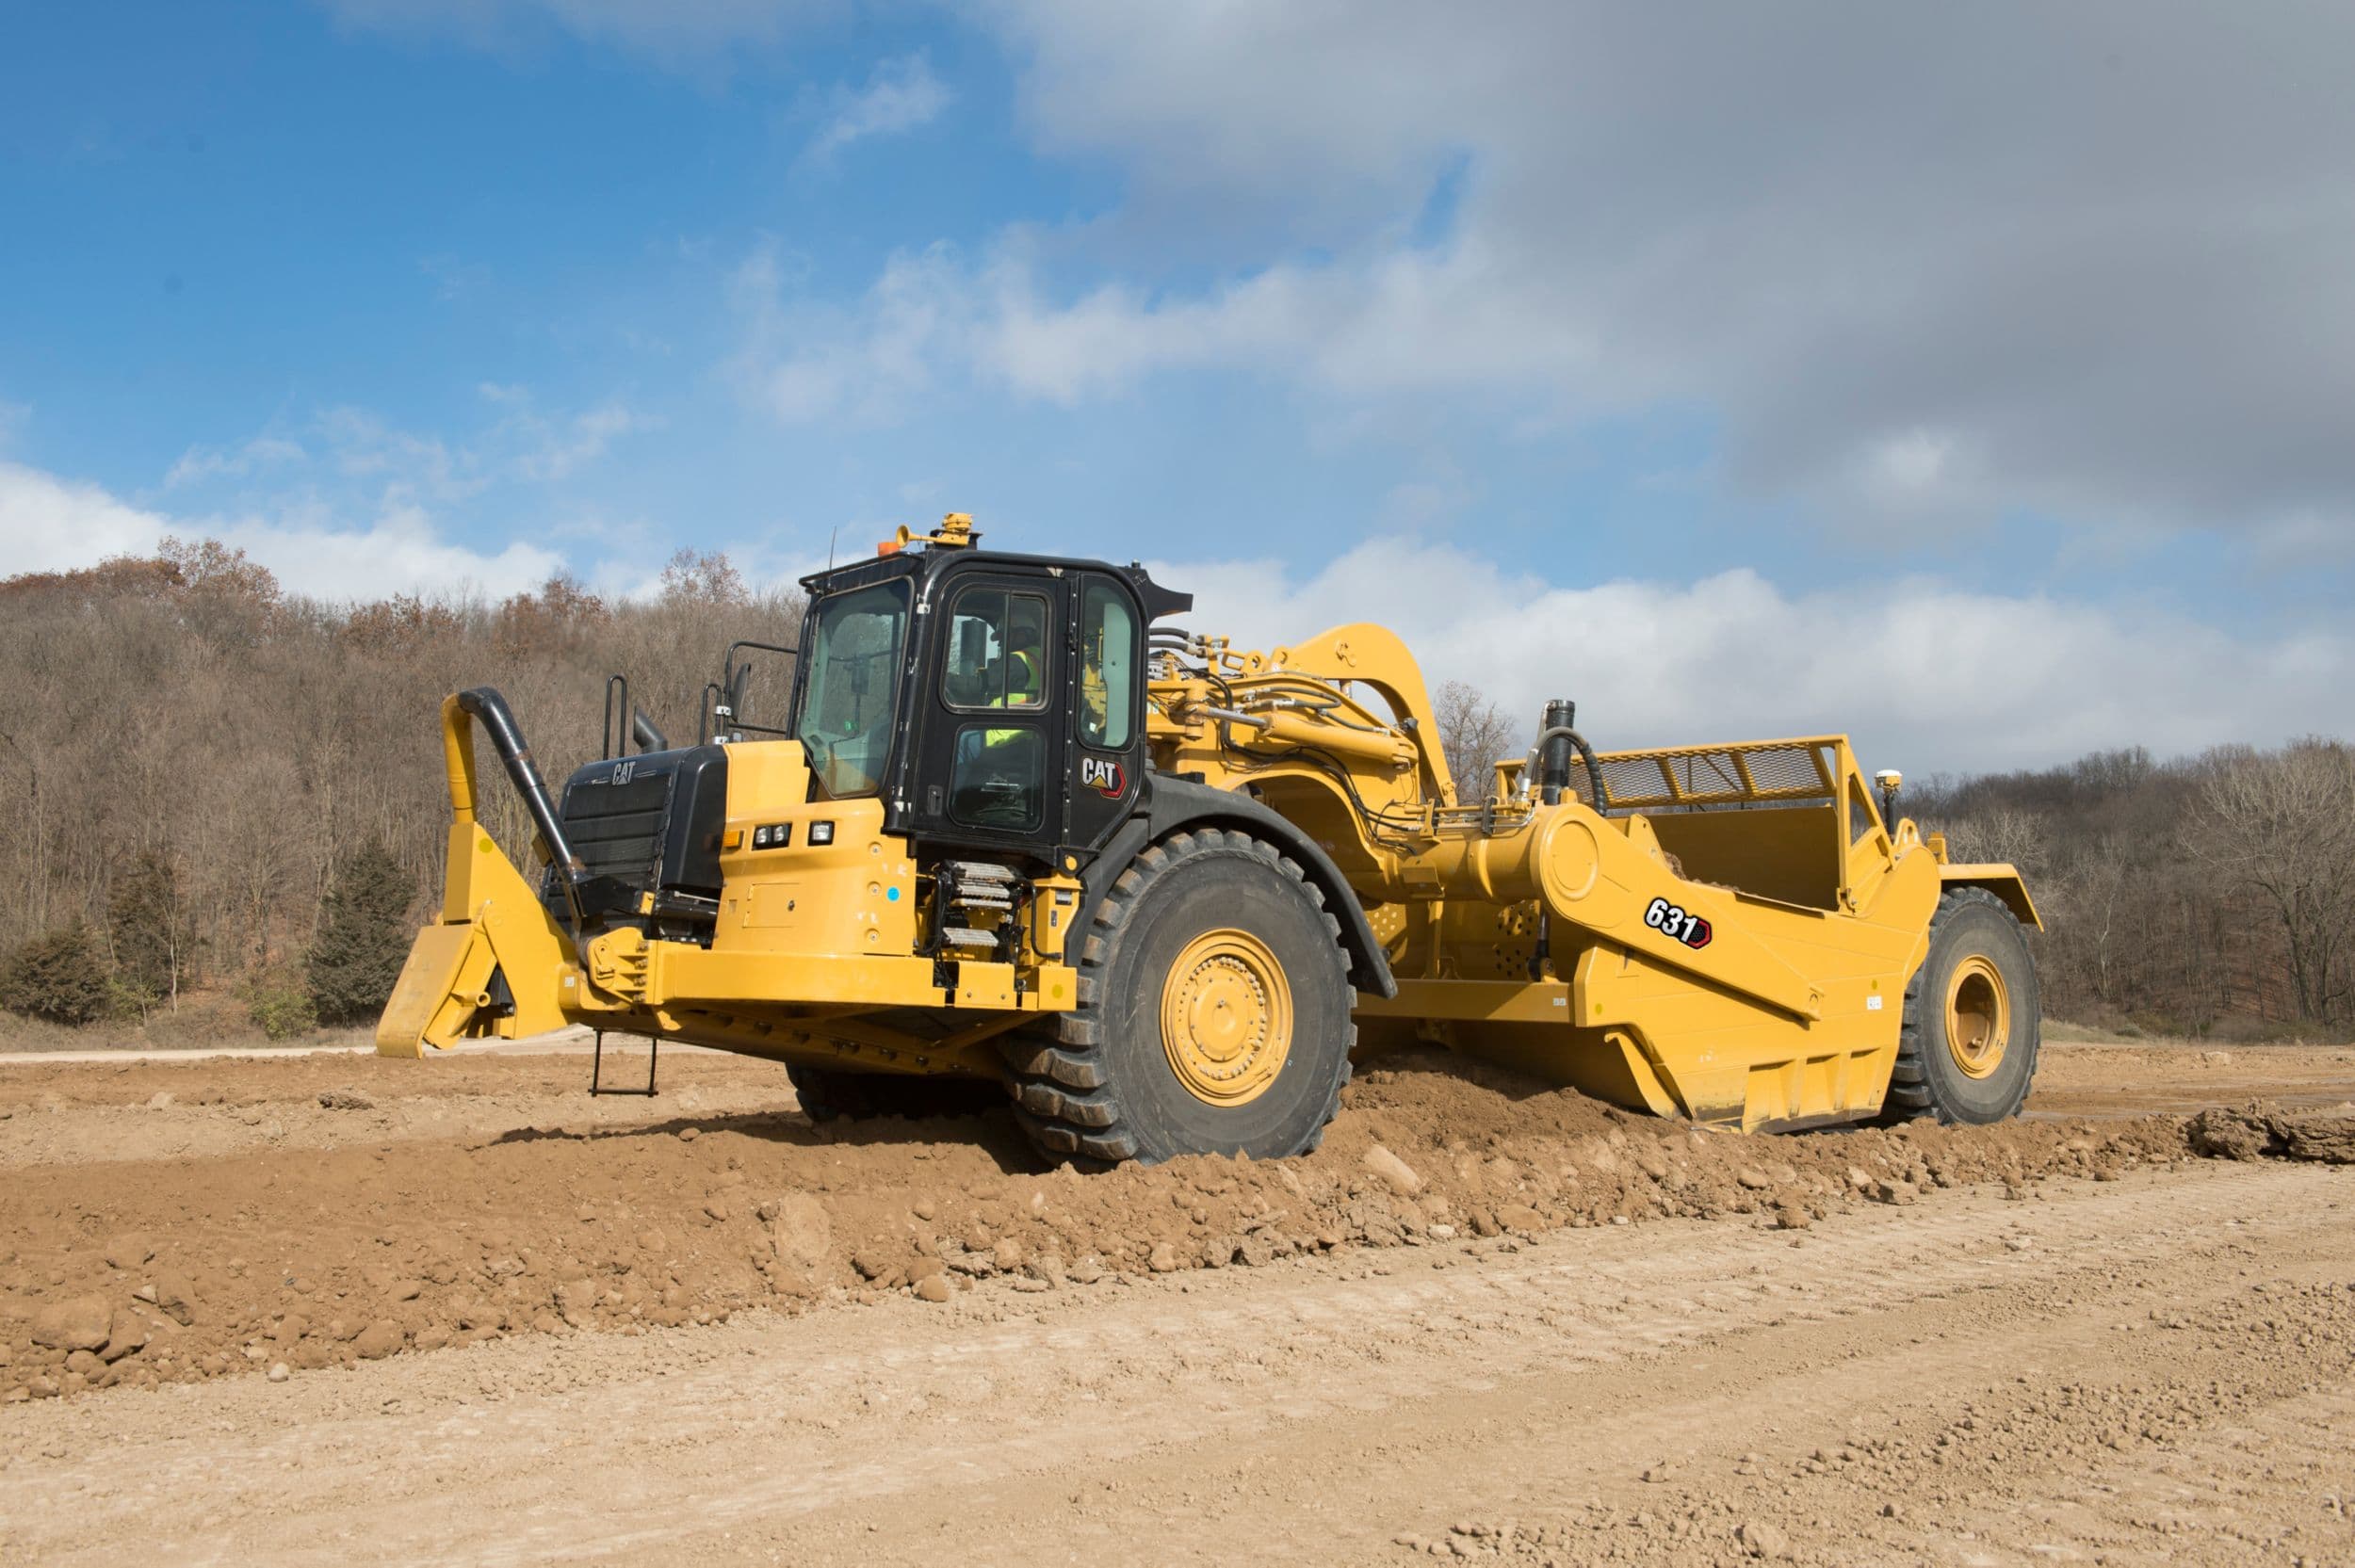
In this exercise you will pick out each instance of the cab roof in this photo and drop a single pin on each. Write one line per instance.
(937, 560)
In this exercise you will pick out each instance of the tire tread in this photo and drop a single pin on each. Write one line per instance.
(1912, 1094)
(1062, 1095)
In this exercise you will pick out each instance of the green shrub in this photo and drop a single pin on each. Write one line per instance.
(59, 976)
(364, 940)
(128, 1001)
(155, 935)
(279, 1003)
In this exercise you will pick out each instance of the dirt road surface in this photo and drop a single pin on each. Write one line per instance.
(1483, 1321)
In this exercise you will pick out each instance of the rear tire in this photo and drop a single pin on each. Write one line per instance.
(833, 1094)
(1973, 1018)
(1213, 1013)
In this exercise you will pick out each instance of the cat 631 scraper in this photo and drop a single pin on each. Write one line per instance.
(1019, 830)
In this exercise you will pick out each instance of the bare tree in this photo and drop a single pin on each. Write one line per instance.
(2283, 825)
(1474, 734)
(2004, 834)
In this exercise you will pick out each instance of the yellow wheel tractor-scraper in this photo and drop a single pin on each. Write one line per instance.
(1019, 835)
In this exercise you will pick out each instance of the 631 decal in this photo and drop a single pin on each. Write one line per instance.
(1683, 924)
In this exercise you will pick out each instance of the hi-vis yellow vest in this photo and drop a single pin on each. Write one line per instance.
(1026, 697)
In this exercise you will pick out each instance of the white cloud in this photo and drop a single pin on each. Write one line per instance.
(48, 524)
(900, 96)
(555, 450)
(801, 361)
(52, 525)
(200, 464)
(363, 460)
(1926, 677)
(1960, 262)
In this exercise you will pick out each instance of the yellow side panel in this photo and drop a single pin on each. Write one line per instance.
(445, 982)
(2004, 881)
(427, 979)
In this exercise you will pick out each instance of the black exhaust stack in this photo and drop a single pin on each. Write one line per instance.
(490, 709)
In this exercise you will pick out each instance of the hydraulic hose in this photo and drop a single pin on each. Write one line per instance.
(1585, 755)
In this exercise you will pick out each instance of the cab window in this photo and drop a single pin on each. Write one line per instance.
(998, 648)
(1108, 668)
(847, 712)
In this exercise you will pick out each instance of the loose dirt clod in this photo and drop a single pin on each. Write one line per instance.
(1393, 1170)
(78, 1323)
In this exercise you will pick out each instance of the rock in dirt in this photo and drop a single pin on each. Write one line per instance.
(126, 1332)
(174, 1296)
(347, 1099)
(1762, 1540)
(1757, 1180)
(77, 1323)
(280, 1371)
(128, 1252)
(1163, 1259)
(378, 1340)
(800, 1234)
(934, 1287)
(1394, 1172)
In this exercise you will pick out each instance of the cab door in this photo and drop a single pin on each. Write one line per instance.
(991, 727)
(1107, 757)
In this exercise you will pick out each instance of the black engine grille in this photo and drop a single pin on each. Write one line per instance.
(617, 829)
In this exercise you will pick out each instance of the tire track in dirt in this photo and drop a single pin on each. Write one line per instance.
(1309, 1412)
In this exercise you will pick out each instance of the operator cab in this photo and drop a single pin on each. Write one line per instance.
(993, 702)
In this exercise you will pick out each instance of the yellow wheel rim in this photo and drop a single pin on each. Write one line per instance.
(1978, 1016)
(1227, 1017)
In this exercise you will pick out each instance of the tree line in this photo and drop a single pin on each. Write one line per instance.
(219, 788)
(224, 788)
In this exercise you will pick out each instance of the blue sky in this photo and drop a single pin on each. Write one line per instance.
(1656, 359)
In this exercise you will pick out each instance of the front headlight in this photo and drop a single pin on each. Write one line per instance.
(820, 832)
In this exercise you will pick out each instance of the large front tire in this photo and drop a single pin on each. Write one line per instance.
(1213, 1016)
(1973, 1018)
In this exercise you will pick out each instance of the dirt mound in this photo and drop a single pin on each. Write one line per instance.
(2260, 1131)
(320, 1256)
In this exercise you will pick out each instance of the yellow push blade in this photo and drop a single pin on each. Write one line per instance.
(434, 981)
